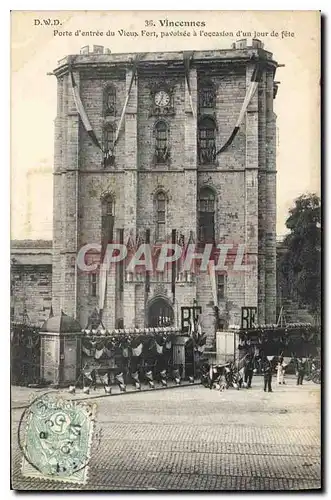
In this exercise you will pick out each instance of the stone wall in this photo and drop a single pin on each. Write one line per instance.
(243, 179)
(31, 281)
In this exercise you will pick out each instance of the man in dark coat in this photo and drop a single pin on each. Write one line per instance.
(301, 370)
(248, 373)
(267, 374)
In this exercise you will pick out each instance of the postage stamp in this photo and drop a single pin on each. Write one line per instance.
(58, 437)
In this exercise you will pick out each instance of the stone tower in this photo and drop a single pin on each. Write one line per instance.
(167, 114)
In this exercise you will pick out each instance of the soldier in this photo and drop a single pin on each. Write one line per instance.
(267, 373)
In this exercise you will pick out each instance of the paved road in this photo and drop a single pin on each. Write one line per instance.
(196, 439)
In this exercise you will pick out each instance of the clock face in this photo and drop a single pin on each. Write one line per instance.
(162, 98)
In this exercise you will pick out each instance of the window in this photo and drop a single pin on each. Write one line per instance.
(93, 285)
(109, 139)
(206, 141)
(160, 216)
(107, 222)
(206, 211)
(221, 282)
(110, 101)
(161, 142)
(207, 97)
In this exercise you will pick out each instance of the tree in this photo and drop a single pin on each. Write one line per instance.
(301, 262)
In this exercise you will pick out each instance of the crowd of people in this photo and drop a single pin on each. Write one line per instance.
(241, 375)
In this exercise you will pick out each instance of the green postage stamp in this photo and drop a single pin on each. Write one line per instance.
(57, 440)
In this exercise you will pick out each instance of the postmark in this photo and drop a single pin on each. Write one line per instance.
(58, 437)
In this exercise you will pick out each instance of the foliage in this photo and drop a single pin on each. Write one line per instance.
(301, 262)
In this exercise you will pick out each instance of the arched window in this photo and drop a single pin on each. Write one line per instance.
(206, 141)
(207, 96)
(161, 142)
(107, 222)
(160, 216)
(110, 101)
(206, 211)
(109, 139)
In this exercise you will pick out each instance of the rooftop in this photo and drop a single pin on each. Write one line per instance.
(241, 51)
(61, 324)
(17, 244)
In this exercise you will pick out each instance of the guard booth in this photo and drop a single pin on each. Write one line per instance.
(60, 350)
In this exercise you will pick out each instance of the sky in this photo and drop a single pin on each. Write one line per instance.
(35, 50)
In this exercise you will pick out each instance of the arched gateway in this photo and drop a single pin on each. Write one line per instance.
(160, 313)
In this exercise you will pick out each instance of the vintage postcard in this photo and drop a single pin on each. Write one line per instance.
(165, 250)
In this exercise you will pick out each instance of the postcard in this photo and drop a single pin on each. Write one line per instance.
(165, 250)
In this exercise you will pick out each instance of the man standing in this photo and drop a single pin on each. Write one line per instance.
(267, 373)
(248, 373)
(280, 370)
(301, 370)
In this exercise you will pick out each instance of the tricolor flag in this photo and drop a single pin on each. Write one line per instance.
(180, 261)
(102, 285)
(81, 110)
(133, 76)
(255, 79)
(136, 351)
(212, 277)
(159, 348)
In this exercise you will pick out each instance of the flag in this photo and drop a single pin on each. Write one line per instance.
(180, 261)
(135, 376)
(159, 348)
(212, 277)
(120, 379)
(81, 110)
(173, 268)
(98, 353)
(136, 351)
(255, 79)
(87, 352)
(102, 285)
(192, 327)
(88, 374)
(125, 352)
(188, 56)
(104, 379)
(134, 71)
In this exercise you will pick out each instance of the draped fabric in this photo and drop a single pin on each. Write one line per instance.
(134, 71)
(159, 348)
(180, 261)
(137, 351)
(83, 115)
(255, 80)
(187, 56)
(212, 277)
(102, 286)
(81, 110)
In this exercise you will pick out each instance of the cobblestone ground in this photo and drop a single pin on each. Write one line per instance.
(192, 438)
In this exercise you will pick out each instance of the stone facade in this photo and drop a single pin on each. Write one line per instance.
(242, 180)
(31, 281)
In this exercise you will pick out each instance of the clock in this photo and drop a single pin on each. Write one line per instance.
(162, 99)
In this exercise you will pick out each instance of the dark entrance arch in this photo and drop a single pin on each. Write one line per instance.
(160, 313)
